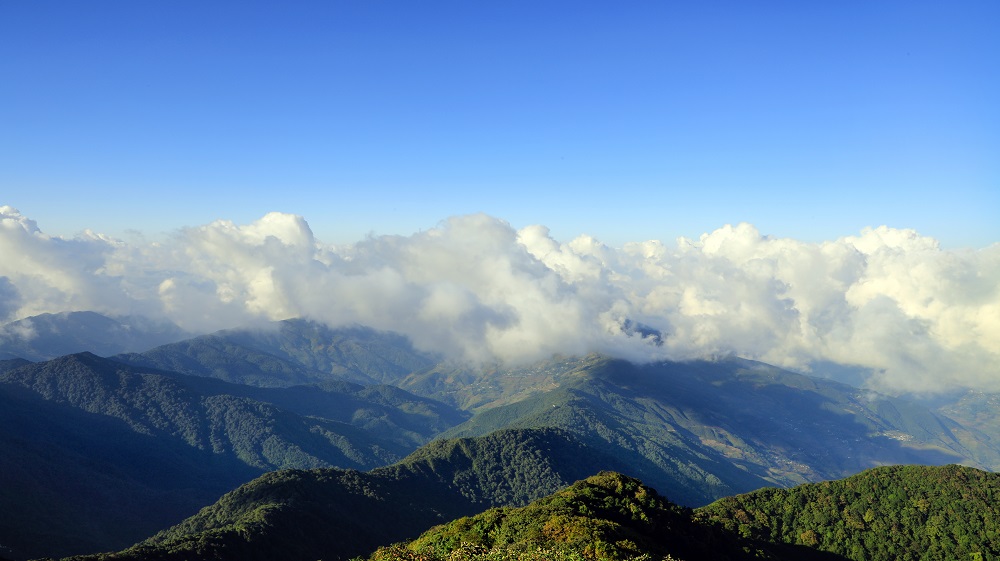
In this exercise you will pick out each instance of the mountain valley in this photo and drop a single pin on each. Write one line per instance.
(325, 433)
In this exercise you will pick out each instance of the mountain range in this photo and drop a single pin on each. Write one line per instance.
(101, 452)
(887, 513)
(129, 450)
(48, 336)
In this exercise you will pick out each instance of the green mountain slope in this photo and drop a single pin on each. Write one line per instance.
(290, 352)
(96, 454)
(73, 481)
(207, 416)
(475, 389)
(215, 357)
(883, 514)
(699, 431)
(605, 517)
(384, 412)
(12, 363)
(888, 513)
(338, 514)
(979, 412)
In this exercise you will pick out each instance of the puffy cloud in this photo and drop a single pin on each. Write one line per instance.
(52, 273)
(10, 299)
(474, 288)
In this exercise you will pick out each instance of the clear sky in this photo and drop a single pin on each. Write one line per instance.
(626, 121)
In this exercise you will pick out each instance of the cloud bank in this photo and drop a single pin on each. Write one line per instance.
(474, 288)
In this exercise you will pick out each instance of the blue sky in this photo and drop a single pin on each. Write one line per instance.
(625, 121)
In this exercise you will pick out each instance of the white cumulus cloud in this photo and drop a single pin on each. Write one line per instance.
(474, 288)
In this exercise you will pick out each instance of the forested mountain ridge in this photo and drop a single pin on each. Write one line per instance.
(73, 481)
(703, 430)
(608, 516)
(489, 386)
(338, 514)
(887, 513)
(884, 514)
(12, 363)
(605, 516)
(979, 412)
(289, 352)
(204, 413)
(709, 412)
(696, 430)
(132, 450)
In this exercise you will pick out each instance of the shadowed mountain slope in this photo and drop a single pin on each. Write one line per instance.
(290, 352)
(338, 514)
(699, 431)
(97, 454)
(882, 514)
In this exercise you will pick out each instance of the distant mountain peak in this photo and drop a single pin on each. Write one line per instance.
(47, 336)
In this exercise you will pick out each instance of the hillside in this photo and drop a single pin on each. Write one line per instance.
(12, 363)
(288, 353)
(979, 412)
(338, 514)
(608, 516)
(98, 454)
(889, 513)
(489, 386)
(883, 514)
(697, 431)
(702, 430)
(73, 481)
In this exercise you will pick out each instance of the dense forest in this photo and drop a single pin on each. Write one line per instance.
(894, 512)
(97, 454)
(606, 516)
(891, 513)
(330, 444)
(338, 514)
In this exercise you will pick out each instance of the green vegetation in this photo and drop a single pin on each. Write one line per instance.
(884, 514)
(337, 514)
(703, 430)
(203, 414)
(607, 517)
(889, 513)
(215, 357)
(291, 352)
(978, 413)
(97, 455)
(902, 512)
(73, 481)
(489, 387)
(12, 363)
